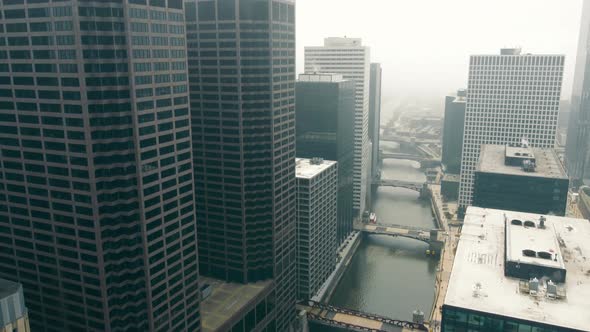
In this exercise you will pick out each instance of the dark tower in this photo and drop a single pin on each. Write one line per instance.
(242, 85)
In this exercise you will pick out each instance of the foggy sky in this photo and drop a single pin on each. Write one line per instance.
(424, 45)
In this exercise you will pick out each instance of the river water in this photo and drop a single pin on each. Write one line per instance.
(392, 276)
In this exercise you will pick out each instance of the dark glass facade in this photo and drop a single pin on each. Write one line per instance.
(456, 319)
(242, 85)
(97, 216)
(325, 128)
(520, 193)
(454, 123)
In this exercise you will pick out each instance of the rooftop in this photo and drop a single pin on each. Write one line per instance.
(491, 160)
(527, 235)
(8, 288)
(478, 282)
(321, 77)
(343, 41)
(228, 300)
(308, 168)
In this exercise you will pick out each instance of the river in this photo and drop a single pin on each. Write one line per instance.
(392, 276)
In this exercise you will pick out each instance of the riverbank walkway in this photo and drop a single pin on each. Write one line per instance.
(353, 320)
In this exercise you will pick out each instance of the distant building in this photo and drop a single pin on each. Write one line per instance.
(510, 96)
(583, 201)
(317, 187)
(348, 56)
(375, 116)
(578, 133)
(452, 141)
(13, 313)
(325, 128)
(516, 271)
(520, 178)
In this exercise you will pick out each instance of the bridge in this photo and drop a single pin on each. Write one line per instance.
(432, 237)
(416, 186)
(352, 320)
(425, 162)
(408, 139)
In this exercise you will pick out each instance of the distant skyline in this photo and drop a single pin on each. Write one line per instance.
(424, 45)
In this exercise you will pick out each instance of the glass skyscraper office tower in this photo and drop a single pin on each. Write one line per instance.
(242, 86)
(97, 216)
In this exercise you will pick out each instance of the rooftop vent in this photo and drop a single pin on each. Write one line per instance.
(544, 255)
(551, 290)
(516, 222)
(542, 222)
(317, 161)
(529, 253)
(529, 223)
(533, 285)
(528, 165)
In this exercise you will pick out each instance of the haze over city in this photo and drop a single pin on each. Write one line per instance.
(424, 45)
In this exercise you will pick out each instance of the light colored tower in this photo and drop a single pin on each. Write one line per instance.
(347, 56)
(96, 183)
(510, 97)
(317, 196)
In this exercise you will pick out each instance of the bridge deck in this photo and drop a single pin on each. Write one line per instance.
(355, 320)
(423, 235)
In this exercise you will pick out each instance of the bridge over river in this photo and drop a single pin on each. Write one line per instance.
(353, 320)
(432, 237)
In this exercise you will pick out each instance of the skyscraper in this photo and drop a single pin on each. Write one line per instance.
(347, 56)
(578, 147)
(96, 184)
(325, 124)
(317, 188)
(242, 83)
(375, 116)
(510, 97)
(453, 126)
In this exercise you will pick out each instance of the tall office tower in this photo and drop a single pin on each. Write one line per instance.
(578, 134)
(96, 188)
(375, 116)
(325, 124)
(347, 56)
(452, 141)
(510, 97)
(317, 187)
(242, 83)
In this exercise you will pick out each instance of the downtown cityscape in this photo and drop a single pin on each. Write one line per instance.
(245, 165)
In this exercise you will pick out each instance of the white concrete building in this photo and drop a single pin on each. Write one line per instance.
(510, 97)
(317, 192)
(516, 271)
(347, 56)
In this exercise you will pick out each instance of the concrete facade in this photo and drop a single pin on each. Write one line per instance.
(347, 56)
(510, 97)
(14, 316)
(317, 188)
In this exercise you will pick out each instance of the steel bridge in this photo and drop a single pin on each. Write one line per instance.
(353, 320)
(424, 161)
(410, 232)
(407, 139)
(416, 186)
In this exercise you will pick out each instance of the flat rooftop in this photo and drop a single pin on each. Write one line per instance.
(321, 78)
(306, 169)
(228, 300)
(491, 160)
(8, 288)
(478, 282)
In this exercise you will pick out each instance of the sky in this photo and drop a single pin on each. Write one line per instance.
(424, 45)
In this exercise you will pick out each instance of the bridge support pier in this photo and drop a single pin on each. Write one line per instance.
(425, 191)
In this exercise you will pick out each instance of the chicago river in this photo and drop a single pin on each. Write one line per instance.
(392, 276)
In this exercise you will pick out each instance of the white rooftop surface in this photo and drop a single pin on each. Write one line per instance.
(532, 238)
(479, 261)
(321, 77)
(491, 160)
(304, 169)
